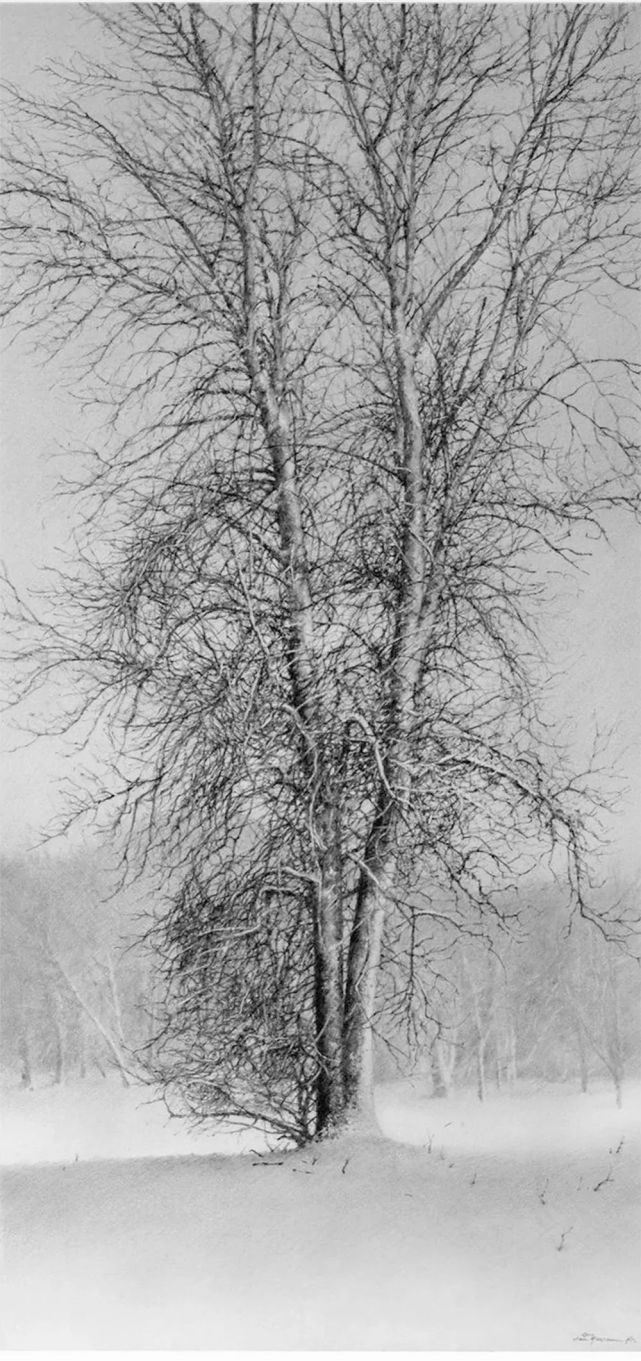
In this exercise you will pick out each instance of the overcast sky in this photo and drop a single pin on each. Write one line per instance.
(595, 634)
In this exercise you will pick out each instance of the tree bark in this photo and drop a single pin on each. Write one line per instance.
(361, 987)
(328, 959)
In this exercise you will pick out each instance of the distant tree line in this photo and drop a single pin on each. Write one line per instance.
(74, 995)
(543, 1005)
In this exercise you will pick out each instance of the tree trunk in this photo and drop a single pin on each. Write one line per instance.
(360, 1002)
(414, 608)
(583, 1063)
(24, 1054)
(512, 1073)
(439, 1082)
(328, 962)
(89, 1011)
(82, 1049)
(303, 667)
(614, 1033)
(98, 1063)
(480, 1067)
(481, 1030)
(58, 1042)
(362, 979)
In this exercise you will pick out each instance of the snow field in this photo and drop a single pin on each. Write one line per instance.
(505, 1227)
(102, 1119)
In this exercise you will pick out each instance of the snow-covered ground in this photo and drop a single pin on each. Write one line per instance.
(514, 1225)
(102, 1119)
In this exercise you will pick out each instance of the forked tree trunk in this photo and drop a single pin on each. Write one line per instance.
(306, 687)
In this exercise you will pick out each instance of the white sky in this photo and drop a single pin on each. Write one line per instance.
(596, 635)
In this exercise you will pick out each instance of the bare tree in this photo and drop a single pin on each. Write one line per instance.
(555, 1001)
(599, 992)
(72, 983)
(323, 265)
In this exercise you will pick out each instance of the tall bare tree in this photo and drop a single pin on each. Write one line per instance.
(324, 264)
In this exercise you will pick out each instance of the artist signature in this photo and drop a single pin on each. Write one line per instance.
(611, 1341)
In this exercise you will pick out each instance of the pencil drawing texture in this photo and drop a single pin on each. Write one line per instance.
(328, 274)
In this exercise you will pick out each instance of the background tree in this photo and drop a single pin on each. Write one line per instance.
(74, 988)
(551, 1004)
(322, 265)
